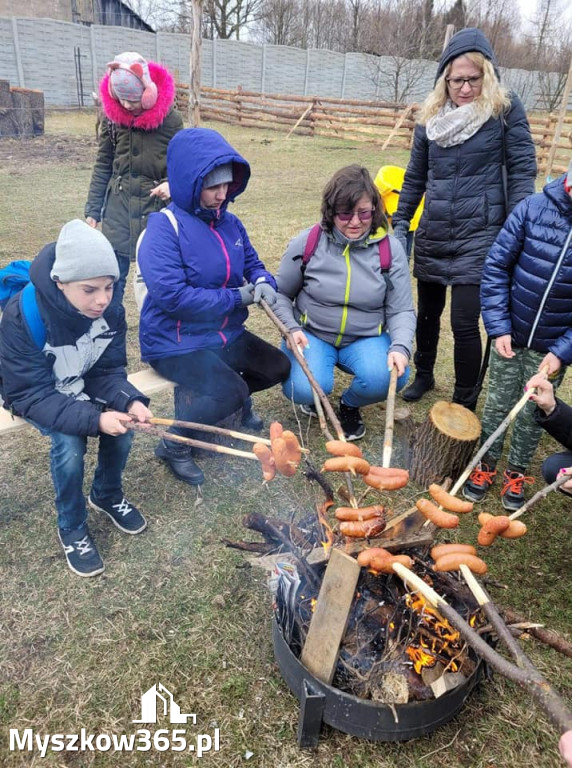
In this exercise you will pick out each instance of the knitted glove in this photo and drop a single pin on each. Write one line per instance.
(264, 291)
(246, 294)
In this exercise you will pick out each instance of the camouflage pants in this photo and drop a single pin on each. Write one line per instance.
(507, 378)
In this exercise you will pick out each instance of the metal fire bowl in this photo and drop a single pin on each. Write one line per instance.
(361, 717)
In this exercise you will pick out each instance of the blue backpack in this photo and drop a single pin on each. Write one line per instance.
(15, 278)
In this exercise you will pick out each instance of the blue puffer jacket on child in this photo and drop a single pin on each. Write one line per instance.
(526, 288)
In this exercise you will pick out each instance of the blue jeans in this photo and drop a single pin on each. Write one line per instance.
(67, 467)
(365, 358)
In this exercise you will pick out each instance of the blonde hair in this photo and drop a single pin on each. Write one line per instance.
(493, 95)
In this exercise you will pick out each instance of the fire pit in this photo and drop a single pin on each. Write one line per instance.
(381, 688)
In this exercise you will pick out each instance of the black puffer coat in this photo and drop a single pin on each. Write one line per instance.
(463, 186)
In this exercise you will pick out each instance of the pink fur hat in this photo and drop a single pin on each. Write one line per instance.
(129, 79)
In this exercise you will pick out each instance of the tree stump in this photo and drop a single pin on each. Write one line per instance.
(444, 444)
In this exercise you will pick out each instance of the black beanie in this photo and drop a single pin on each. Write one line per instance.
(466, 41)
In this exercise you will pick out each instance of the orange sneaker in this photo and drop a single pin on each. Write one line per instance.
(512, 494)
(478, 484)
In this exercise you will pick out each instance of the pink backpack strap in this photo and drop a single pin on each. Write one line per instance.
(311, 243)
(384, 254)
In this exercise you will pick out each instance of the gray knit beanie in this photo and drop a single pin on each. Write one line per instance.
(83, 252)
(222, 174)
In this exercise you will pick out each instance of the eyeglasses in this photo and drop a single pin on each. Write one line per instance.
(456, 83)
(348, 216)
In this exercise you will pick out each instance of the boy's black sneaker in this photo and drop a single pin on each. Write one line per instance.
(309, 410)
(81, 553)
(512, 493)
(479, 482)
(123, 514)
(351, 421)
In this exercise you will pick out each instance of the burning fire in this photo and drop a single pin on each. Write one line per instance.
(322, 509)
(438, 641)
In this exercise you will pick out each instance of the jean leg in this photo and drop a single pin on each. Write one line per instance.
(366, 359)
(321, 359)
(111, 460)
(67, 467)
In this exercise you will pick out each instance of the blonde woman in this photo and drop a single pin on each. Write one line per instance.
(474, 160)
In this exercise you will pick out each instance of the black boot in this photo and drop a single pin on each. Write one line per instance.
(351, 422)
(466, 396)
(422, 383)
(180, 463)
(250, 419)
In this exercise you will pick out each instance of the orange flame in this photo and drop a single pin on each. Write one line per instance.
(321, 509)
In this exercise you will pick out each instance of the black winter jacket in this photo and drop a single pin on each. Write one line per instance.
(526, 290)
(464, 195)
(466, 201)
(81, 368)
(558, 424)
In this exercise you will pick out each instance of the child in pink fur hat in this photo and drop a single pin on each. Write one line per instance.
(129, 177)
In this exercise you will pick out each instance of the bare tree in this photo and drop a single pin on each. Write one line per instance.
(226, 19)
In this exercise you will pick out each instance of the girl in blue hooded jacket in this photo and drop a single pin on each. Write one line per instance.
(201, 272)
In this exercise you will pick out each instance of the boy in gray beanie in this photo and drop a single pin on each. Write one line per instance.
(74, 385)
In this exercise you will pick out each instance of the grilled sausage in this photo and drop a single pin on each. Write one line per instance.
(390, 479)
(435, 515)
(451, 503)
(454, 560)
(275, 430)
(385, 564)
(342, 448)
(352, 464)
(445, 549)
(292, 446)
(284, 465)
(266, 458)
(367, 555)
(491, 529)
(515, 530)
(362, 529)
(361, 513)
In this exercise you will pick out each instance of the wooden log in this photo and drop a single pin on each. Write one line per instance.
(328, 625)
(38, 112)
(444, 443)
(8, 126)
(22, 111)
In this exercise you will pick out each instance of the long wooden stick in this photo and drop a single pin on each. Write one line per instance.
(540, 495)
(304, 366)
(215, 430)
(504, 425)
(189, 441)
(208, 428)
(389, 419)
(528, 678)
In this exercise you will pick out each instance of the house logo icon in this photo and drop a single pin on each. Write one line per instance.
(166, 703)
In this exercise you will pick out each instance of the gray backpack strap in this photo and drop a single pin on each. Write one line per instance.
(139, 287)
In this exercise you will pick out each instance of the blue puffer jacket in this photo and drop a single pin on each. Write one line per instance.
(463, 185)
(193, 277)
(526, 288)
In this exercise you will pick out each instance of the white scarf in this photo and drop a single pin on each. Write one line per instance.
(453, 125)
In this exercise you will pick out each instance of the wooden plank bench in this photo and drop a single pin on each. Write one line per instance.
(147, 381)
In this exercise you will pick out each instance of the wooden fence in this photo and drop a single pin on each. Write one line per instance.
(383, 123)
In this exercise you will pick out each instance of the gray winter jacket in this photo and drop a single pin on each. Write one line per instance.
(341, 294)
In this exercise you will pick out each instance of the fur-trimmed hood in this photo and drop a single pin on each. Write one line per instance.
(149, 119)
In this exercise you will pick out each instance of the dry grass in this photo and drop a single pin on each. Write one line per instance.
(174, 606)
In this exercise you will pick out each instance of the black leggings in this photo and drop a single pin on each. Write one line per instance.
(213, 383)
(465, 311)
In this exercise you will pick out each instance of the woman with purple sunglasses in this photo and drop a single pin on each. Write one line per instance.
(348, 303)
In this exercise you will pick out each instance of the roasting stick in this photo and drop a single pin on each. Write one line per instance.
(320, 397)
(215, 430)
(504, 425)
(150, 430)
(304, 366)
(523, 672)
(389, 419)
(540, 495)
